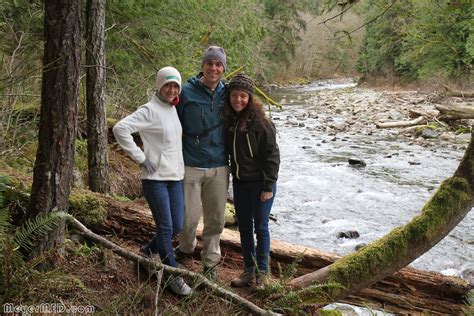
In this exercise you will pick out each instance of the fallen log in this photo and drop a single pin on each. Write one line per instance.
(407, 291)
(419, 120)
(429, 114)
(455, 112)
(455, 93)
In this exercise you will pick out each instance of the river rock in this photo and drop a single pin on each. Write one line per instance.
(429, 133)
(356, 162)
(360, 246)
(468, 275)
(351, 234)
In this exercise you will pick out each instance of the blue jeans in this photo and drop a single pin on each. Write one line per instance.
(166, 202)
(252, 213)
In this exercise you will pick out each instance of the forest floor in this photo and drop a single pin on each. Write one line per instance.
(114, 285)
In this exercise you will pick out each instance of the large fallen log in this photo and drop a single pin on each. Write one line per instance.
(455, 112)
(407, 291)
(455, 93)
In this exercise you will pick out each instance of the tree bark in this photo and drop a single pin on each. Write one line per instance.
(447, 207)
(97, 147)
(53, 169)
(455, 112)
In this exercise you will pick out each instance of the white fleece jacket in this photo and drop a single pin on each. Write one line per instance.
(160, 130)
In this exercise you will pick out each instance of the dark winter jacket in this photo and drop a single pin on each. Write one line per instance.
(199, 111)
(254, 153)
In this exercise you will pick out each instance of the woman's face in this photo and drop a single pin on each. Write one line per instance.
(170, 91)
(239, 100)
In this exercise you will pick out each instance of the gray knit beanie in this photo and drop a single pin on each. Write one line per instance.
(241, 82)
(215, 52)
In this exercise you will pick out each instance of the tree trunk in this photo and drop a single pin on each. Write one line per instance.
(97, 148)
(455, 112)
(447, 207)
(53, 170)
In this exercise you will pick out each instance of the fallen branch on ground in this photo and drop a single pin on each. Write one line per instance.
(416, 121)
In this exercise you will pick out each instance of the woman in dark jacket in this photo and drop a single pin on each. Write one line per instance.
(255, 159)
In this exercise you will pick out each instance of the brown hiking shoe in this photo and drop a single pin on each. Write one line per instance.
(245, 279)
(263, 280)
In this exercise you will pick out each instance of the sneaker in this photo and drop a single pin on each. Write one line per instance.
(211, 273)
(180, 256)
(178, 286)
(245, 279)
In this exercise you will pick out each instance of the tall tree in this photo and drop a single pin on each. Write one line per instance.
(97, 148)
(441, 214)
(53, 170)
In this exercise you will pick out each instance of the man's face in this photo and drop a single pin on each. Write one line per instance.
(212, 71)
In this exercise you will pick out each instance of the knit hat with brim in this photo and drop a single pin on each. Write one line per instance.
(215, 52)
(167, 74)
(241, 82)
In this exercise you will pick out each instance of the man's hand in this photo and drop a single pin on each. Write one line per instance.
(148, 165)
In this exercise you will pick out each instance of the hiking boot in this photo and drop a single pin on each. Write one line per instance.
(245, 279)
(180, 256)
(211, 273)
(178, 286)
(263, 280)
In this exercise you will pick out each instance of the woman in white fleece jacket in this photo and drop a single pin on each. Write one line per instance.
(161, 164)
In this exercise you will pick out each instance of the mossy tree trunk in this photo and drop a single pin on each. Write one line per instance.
(53, 170)
(97, 147)
(446, 208)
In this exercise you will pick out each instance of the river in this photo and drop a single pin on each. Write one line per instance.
(319, 194)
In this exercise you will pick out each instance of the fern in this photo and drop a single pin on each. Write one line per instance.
(469, 309)
(35, 228)
(4, 224)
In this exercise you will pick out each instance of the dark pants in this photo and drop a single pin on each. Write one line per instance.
(253, 214)
(166, 202)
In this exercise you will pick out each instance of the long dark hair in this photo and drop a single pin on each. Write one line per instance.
(252, 112)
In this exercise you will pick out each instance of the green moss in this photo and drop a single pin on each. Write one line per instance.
(463, 130)
(229, 215)
(87, 208)
(111, 122)
(421, 231)
(330, 312)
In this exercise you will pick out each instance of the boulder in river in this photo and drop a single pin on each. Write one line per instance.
(351, 234)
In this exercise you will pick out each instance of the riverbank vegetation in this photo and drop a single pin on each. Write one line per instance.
(274, 41)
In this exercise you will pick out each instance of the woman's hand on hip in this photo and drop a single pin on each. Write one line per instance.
(265, 196)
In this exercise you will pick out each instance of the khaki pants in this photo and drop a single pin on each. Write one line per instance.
(205, 193)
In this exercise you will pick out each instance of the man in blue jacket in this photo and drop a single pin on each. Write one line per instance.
(206, 177)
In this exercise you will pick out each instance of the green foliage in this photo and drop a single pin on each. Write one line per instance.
(144, 36)
(35, 228)
(19, 282)
(469, 309)
(85, 250)
(80, 156)
(418, 39)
